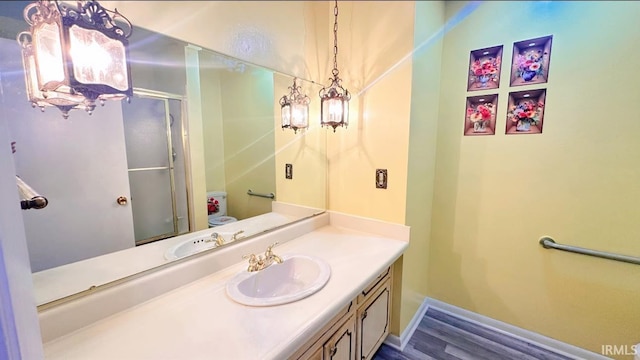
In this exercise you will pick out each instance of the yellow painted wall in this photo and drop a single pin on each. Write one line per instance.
(305, 150)
(210, 91)
(247, 122)
(372, 39)
(425, 99)
(495, 196)
(262, 32)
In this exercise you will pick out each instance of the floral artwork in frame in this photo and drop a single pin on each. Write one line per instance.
(531, 60)
(525, 112)
(480, 116)
(484, 68)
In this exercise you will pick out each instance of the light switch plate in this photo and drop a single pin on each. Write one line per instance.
(288, 171)
(381, 178)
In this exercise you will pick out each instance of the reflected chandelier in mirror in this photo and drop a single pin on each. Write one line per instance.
(73, 57)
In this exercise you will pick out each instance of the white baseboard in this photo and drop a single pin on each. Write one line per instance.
(495, 325)
(400, 342)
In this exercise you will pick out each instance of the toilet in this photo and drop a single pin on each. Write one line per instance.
(217, 209)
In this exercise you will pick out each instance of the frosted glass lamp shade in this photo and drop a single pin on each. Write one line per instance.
(299, 116)
(334, 111)
(97, 59)
(47, 40)
(286, 115)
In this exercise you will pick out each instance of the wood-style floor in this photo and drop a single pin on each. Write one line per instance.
(440, 336)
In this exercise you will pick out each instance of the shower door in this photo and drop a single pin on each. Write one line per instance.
(153, 137)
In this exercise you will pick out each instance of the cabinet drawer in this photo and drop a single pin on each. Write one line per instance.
(372, 286)
(373, 321)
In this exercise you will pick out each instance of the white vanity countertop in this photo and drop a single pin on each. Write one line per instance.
(199, 321)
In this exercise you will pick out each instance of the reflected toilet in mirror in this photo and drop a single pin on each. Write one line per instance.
(217, 209)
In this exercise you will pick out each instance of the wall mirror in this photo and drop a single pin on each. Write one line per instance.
(166, 163)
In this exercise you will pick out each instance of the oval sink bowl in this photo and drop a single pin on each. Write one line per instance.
(188, 247)
(296, 278)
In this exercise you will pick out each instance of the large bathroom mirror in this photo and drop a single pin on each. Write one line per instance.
(127, 182)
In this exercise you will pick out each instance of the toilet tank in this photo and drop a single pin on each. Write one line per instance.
(217, 203)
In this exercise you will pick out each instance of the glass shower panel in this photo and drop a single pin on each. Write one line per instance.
(151, 204)
(147, 133)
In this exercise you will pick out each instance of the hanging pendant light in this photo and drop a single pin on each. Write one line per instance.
(295, 109)
(334, 100)
(73, 57)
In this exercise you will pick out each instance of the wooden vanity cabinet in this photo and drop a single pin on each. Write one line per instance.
(372, 321)
(337, 340)
(358, 330)
(342, 344)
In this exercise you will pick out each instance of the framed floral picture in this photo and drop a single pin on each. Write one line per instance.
(531, 60)
(525, 112)
(480, 116)
(484, 68)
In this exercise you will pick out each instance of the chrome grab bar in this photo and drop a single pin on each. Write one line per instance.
(549, 243)
(268, 196)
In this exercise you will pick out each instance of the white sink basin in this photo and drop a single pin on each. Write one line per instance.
(190, 246)
(296, 278)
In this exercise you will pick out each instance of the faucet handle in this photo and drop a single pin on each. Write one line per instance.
(217, 238)
(235, 235)
(270, 247)
(251, 257)
(254, 262)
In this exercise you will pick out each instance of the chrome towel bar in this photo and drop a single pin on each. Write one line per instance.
(268, 196)
(549, 243)
(29, 198)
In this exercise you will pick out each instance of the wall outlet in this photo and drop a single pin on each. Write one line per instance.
(381, 178)
(288, 171)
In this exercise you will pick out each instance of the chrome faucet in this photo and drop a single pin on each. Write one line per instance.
(219, 240)
(257, 263)
(236, 234)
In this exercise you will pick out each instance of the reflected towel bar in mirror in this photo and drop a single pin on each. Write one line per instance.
(549, 243)
(268, 196)
(29, 198)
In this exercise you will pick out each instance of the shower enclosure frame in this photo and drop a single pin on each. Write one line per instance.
(166, 97)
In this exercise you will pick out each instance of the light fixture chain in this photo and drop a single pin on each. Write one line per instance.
(335, 40)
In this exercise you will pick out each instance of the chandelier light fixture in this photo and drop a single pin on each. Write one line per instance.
(334, 100)
(73, 57)
(295, 109)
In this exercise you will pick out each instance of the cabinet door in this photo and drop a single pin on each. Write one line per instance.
(373, 321)
(342, 345)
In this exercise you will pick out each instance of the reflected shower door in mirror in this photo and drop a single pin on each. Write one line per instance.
(155, 158)
(127, 174)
